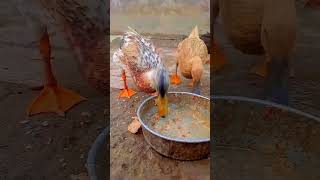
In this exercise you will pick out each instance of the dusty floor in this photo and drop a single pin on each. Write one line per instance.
(26, 144)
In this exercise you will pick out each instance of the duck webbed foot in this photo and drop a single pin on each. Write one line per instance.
(56, 99)
(52, 98)
(175, 79)
(126, 91)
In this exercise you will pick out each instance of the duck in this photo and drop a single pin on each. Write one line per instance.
(138, 56)
(257, 28)
(84, 27)
(192, 55)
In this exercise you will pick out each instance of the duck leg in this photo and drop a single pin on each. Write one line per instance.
(175, 79)
(53, 97)
(196, 73)
(196, 87)
(277, 85)
(126, 91)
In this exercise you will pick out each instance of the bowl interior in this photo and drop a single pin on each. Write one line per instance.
(188, 118)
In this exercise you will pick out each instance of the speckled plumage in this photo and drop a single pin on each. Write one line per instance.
(138, 55)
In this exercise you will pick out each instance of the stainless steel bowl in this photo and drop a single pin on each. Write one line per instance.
(173, 147)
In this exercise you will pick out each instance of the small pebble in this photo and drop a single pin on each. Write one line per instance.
(49, 141)
(81, 156)
(61, 160)
(29, 132)
(81, 176)
(64, 165)
(105, 112)
(45, 123)
(29, 146)
(88, 121)
(24, 122)
(86, 114)
(99, 128)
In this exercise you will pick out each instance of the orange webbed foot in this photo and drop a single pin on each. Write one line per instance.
(175, 79)
(54, 99)
(127, 93)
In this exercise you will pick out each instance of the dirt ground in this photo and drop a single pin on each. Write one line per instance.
(55, 148)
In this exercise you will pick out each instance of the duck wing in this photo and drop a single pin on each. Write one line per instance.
(138, 51)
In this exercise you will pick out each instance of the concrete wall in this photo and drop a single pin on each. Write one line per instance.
(160, 16)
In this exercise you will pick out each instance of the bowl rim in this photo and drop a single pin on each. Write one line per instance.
(200, 140)
(221, 97)
(266, 103)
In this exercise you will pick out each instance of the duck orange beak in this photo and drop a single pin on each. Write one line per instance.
(162, 106)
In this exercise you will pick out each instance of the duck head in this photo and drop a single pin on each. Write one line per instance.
(160, 82)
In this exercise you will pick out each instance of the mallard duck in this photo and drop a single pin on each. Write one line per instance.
(138, 56)
(86, 40)
(192, 54)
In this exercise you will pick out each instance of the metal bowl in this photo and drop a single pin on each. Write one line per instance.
(192, 147)
(252, 142)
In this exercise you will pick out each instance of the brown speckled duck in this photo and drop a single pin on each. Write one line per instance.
(138, 56)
